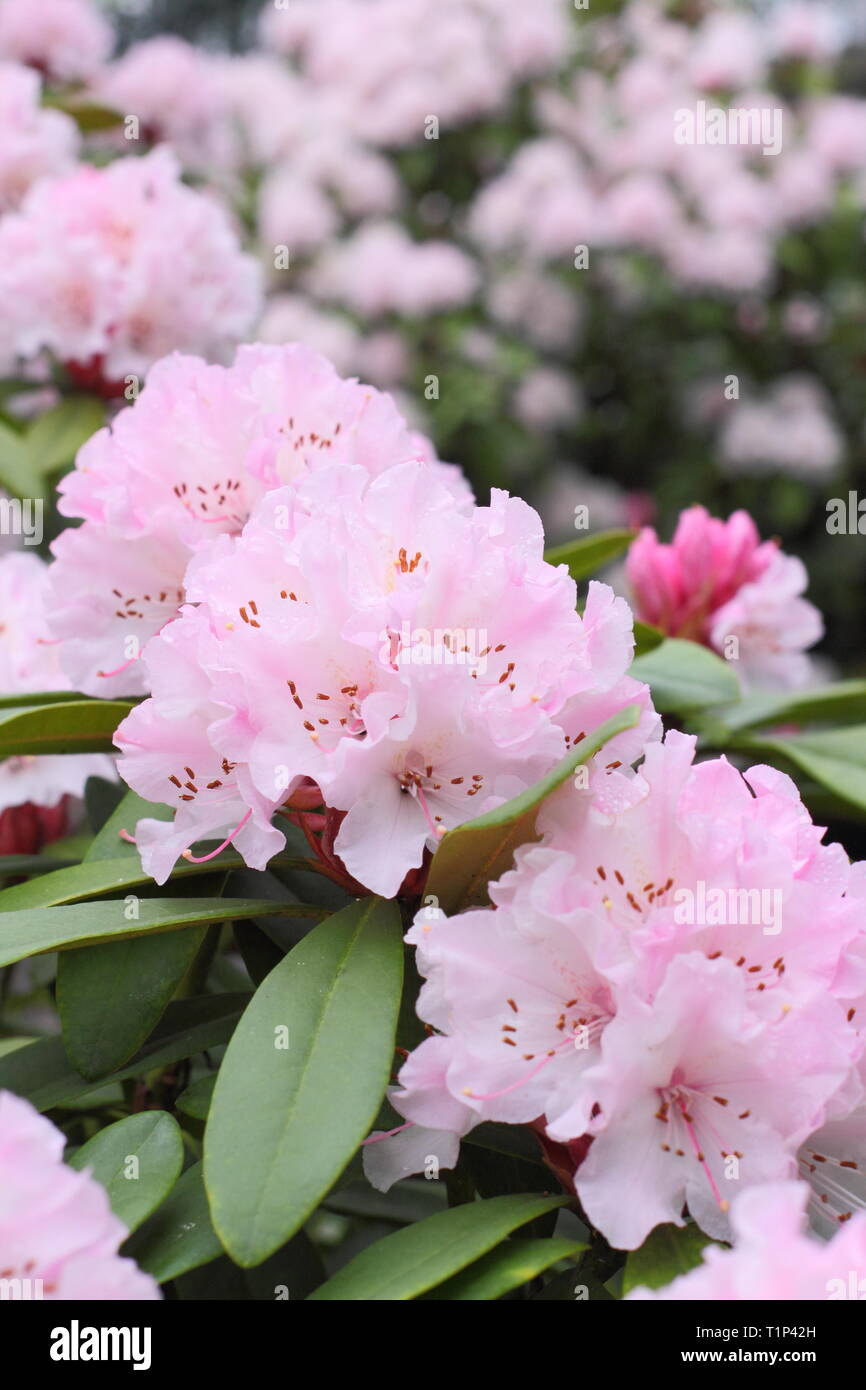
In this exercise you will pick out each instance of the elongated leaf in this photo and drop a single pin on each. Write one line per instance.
(409, 1262)
(667, 1252)
(302, 1080)
(137, 1160)
(72, 726)
(179, 1236)
(507, 1267)
(17, 475)
(836, 704)
(590, 553)
(41, 1072)
(112, 996)
(482, 849)
(56, 436)
(684, 676)
(195, 1101)
(34, 930)
(835, 758)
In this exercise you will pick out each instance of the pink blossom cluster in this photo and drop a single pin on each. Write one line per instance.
(38, 794)
(611, 170)
(190, 460)
(58, 1234)
(391, 65)
(37, 142)
(65, 40)
(380, 270)
(107, 269)
(371, 643)
(717, 581)
(668, 987)
(789, 429)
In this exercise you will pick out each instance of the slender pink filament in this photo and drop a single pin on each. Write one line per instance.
(374, 1138)
(125, 667)
(697, 1148)
(203, 858)
(515, 1085)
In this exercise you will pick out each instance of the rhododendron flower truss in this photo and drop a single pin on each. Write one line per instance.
(187, 462)
(419, 664)
(637, 987)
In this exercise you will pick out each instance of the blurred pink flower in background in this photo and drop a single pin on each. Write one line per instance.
(65, 40)
(36, 141)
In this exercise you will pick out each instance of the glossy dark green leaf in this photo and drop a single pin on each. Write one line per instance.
(72, 726)
(509, 1266)
(137, 1160)
(41, 1072)
(303, 1077)
(420, 1257)
(179, 1236)
(34, 930)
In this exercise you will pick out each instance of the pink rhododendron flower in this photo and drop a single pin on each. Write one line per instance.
(56, 1225)
(663, 986)
(177, 94)
(189, 460)
(37, 142)
(148, 266)
(773, 1258)
(36, 793)
(390, 64)
(717, 580)
(418, 663)
(380, 270)
(66, 40)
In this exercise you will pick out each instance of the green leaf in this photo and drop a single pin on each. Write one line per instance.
(505, 1268)
(112, 996)
(590, 553)
(179, 1236)
(54, 439)
(646, 638)
(684, 676)
(41, 1072)
(195, 1101)
(72, 726)
(154, 1140)
(286, 1119)
(409, 1262)
(16, 472)
(482, 849)
(835, 704)
(835, 758)
(89, 116)
(667, 1252)
(34, 930)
